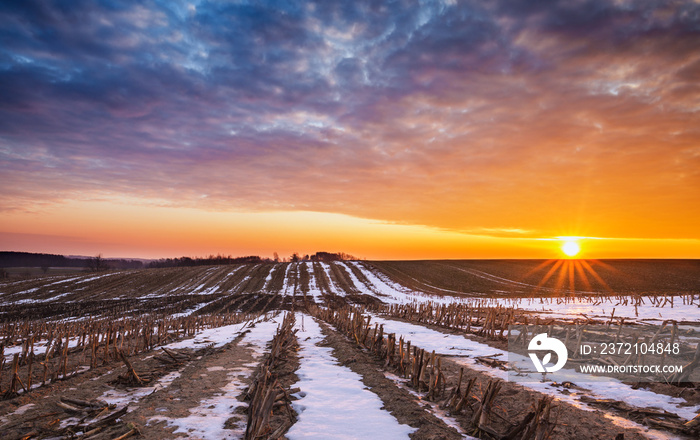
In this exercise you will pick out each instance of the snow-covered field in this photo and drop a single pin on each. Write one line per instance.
(685, 308)
(207, 420)
(314, 289)
(464, 350)
(607, 307)
(333, 402)
(390, 292)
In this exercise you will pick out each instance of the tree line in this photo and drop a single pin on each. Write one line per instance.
(211, 260)
(97, 263)
(322, 256)
(29, 259)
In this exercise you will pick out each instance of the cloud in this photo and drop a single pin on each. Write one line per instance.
(535, 116)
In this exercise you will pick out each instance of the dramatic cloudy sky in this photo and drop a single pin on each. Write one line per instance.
(397, 129)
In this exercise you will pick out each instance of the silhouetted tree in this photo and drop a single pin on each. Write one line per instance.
(96, 263)
(329, 256)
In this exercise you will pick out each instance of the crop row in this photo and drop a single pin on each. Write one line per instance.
(44, 352)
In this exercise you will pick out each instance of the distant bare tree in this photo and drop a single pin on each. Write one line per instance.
(276, 257)
(96, 263)
(295, 257)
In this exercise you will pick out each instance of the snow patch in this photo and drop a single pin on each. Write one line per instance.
(207, 420)
(467, 350)
(333, 400)
(394, 293)
(434, 407)
(18, 412)
(314, 290)
(331, 285)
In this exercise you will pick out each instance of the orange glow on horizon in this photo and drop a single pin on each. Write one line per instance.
(131, 228)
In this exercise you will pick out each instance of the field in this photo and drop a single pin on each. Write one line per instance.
(337, 350)
(547, 278)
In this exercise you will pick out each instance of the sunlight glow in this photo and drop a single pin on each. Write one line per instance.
(571, 248)
(582, 276)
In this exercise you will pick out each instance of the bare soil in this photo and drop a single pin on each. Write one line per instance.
(690, 391)
(529, 277)
(242, 288)
(512, 403)
(202, 377)
(400, 403)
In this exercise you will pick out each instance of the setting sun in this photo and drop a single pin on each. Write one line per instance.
(571, 248)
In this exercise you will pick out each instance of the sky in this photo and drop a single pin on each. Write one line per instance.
(407, 130)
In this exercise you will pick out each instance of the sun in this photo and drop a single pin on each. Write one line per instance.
(571, 248)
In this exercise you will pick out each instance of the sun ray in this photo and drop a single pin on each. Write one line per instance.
(538, 268)
(561, 276)
(570, 265)
(595, 275)
(549, 274)
(604, 265)
(582, 273)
